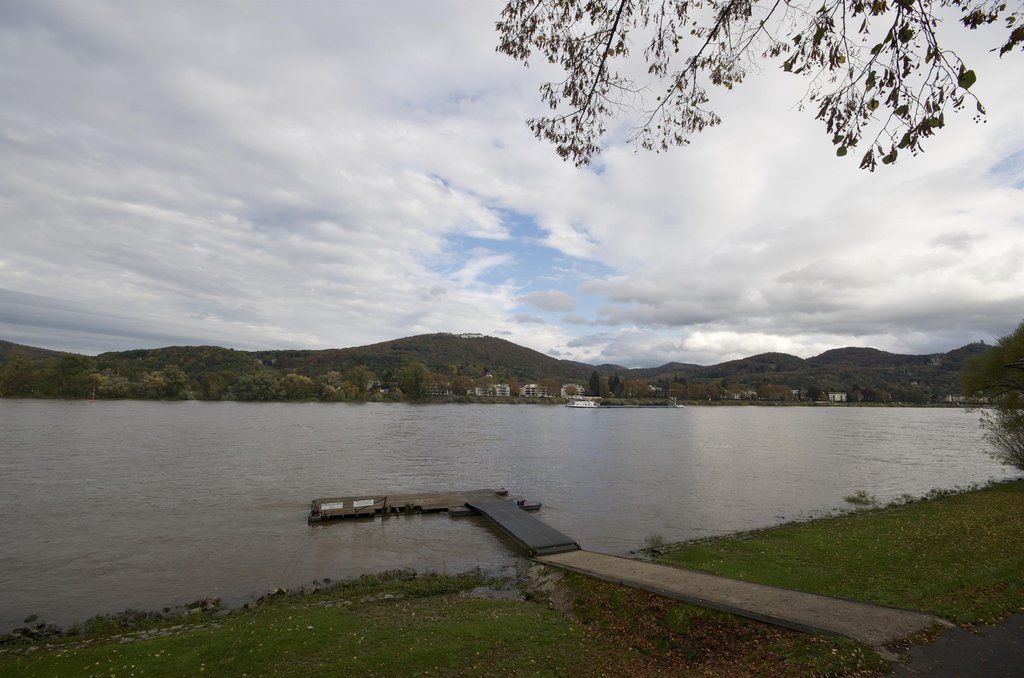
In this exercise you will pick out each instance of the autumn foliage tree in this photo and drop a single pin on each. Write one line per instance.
(878, 77)
(999, 377)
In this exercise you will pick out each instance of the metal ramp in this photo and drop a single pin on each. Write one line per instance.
(537, 537)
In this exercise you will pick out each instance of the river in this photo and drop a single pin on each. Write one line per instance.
(118, 504)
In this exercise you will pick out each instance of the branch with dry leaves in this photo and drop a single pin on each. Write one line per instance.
(878, 77)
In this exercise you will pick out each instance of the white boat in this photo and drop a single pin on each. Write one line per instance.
(583, 402)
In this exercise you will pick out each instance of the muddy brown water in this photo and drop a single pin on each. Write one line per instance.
(118, 504)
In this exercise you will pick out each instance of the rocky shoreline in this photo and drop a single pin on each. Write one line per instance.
(130, 624)
(202, 610)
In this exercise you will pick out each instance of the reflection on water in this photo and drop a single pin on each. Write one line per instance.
(110, 505)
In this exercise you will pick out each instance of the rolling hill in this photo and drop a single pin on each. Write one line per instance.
(474, 355)
(31, 352)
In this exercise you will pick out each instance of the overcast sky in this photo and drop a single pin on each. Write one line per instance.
(305, 175)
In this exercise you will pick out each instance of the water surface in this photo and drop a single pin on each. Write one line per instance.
(120, 504)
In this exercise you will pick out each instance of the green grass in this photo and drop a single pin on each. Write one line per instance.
(960, 557)
(428, 628)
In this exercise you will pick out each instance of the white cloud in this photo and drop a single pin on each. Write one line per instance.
(336, 174)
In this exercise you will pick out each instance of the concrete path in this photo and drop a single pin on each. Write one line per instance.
(873, 625)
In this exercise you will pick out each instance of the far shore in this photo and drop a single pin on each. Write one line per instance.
(609, 403)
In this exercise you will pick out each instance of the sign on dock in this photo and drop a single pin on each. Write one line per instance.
(377, 504)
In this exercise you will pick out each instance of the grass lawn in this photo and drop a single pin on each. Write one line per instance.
(425, 626)
(960, 557)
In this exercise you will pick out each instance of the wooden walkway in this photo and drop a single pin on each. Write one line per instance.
(873, 625)
(536, 537)
(384, 503)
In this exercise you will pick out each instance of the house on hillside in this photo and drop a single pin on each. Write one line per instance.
(836, 397)
(534, 391)
(571, 390)
(500, 390)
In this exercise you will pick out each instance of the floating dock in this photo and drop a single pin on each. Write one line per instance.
(538, 538)
(511, 515)
(382, 504)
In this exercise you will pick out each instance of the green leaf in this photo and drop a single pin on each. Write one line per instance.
(841, 151)
(902, 110)
(967, 78)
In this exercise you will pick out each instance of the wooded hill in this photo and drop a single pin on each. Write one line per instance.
(211, 371)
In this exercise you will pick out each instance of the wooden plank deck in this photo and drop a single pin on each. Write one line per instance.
(381, 503)
(537, 537)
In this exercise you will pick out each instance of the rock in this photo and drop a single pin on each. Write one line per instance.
(166, 610)
(31, 618)
(327, 580)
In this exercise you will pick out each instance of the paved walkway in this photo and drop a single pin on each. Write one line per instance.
(992, 651)
(873, 625)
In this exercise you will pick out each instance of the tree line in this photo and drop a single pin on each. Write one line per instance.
(80, 376)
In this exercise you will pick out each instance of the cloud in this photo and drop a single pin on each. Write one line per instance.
(340, 174)
(958, 241)
(550, 300)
